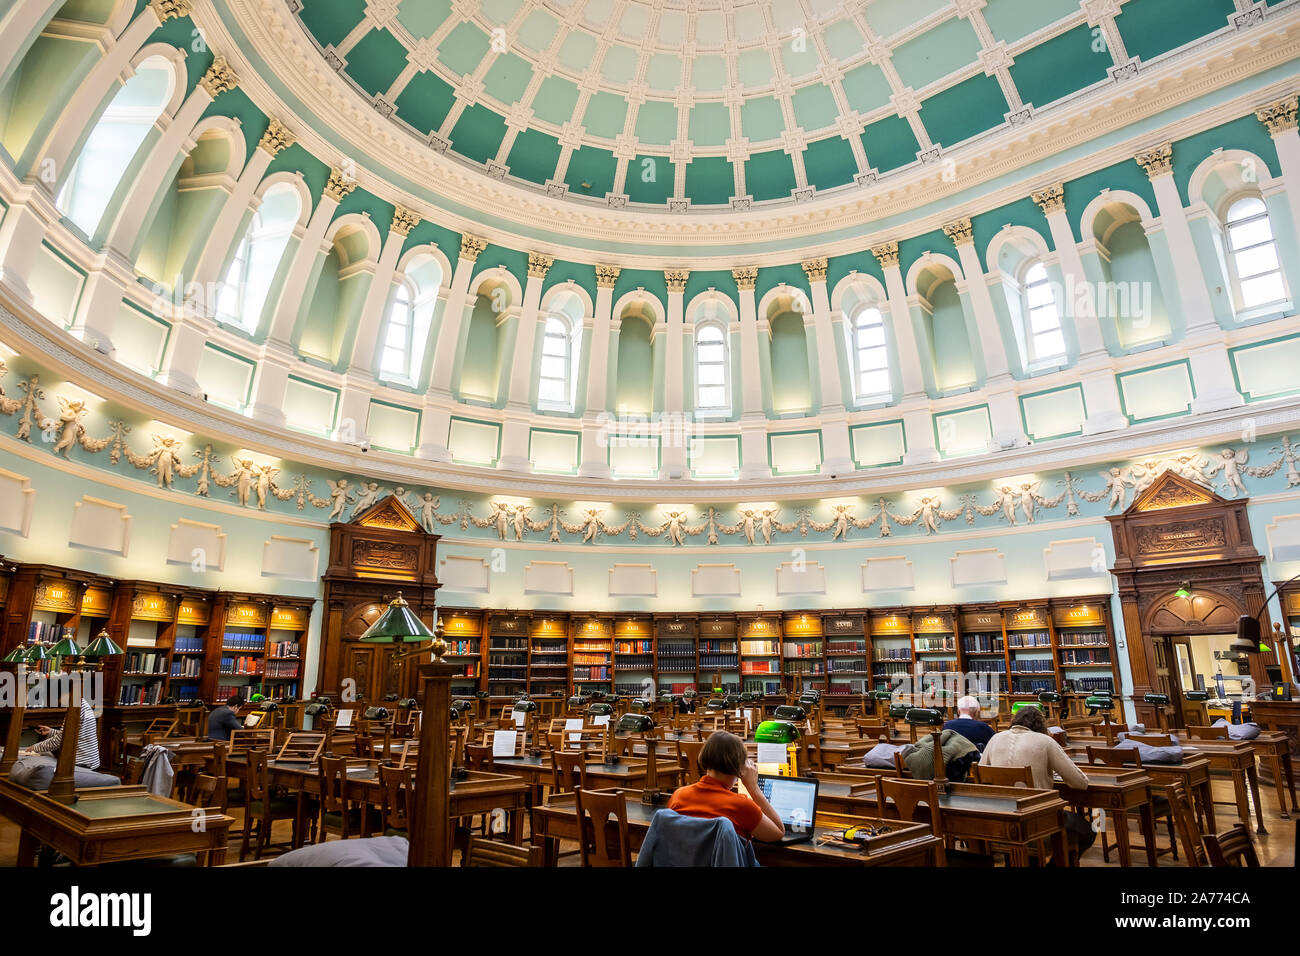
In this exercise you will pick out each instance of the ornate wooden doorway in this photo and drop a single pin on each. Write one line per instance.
(1176, 535)
(378, 553)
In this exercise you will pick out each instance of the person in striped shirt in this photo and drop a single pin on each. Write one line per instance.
(87, 739)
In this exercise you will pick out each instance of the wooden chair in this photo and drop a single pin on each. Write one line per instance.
(1009, 777)
(1152, 740)
(242, 741)
(688, 759)
(484, 852)
(1207, 733)
(1184, 817)
(871, 730)
(489, 738)
(602, 824)
(907, 795)
(302, 747)
(1232, 847)
(478, 756)
(568, 771)
(396, 811)
(260, 807)
(336, 813)
(411, 753)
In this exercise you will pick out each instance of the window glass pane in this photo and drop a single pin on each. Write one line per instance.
(875, 382)
(1262, 290)
(709, 333)
(1255, 261)
(713, 396)
(710, 353)
(1249, 234)
(1048, 345)
(873, 358)
(555, 345)
(1044, 319)
(1244, 208)
(550, 390)
(1039, 294)
(871, 335)
(553, 367)
(1036, 273)
(712, 375)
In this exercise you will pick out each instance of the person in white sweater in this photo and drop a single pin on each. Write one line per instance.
(1027, 744)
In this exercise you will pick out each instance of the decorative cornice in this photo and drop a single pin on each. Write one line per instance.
(170, 9)
(1157, 161)
(745, 277)
(886, 253)
(815, 269)
(340, 186)
(959, 232)
(1279, 116)
(1050, 199)
(539, 263)
(404, 221)
(676, 279)
(276, 138)
(471, 247)
(219, 78)
(607, 276)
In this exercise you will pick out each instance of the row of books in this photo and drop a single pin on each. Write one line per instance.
(141, 694)
(241, 665)
(282, 669)
(760, 667)
(717, 647)
(591, 673)
(936, 644)
(38, 632)
(284, 649)
(759, 648)
(145, 662)
(840, 688)
(939, 667)
(847, 664)
(987, 665)
(810, 666)
(508, 644)
(677, 665)
(805, 649)
(185, 693)
(890, 668)
(763, 687)
(676, 649)
(596, 648)
(628, 690)
(1033, 665)
(550, 647)
(238, 641)
(719, 661)
(634, 647)
(507, 660)
(1034, 685)
(850, 647)
(641, 662)
(1029, 639)
(186, 667)
(981, 643)
(591, 658)
(188, 645)
(461, 648)
(1092, 685)
(1091, 638)
(243, 690)
(892, 654)
(1101, 656)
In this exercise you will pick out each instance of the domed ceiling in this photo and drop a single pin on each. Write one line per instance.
(683, 104)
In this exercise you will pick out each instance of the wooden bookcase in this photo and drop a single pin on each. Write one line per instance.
(760, 655)
(507, 667)
(548, 656)
(803, 651)
(677, 653)
(286, 641)
(245, 634)
(848, 664)
(634, 656)
(934, 651)
(719, 650)
(1085, 646)
(148, 615)
(193, 615)
(1030, 655)
(463, 632)
(891, 645)
(593, 653)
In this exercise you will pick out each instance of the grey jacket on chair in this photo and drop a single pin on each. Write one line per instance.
(677, 840)
(158, 774)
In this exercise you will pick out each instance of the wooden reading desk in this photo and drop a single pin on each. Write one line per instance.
(1117, 791)
(630, 773)
(1193, 773)
(112, 824)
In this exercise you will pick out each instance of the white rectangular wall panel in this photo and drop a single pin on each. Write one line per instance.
(17, 498)
(877, 444)
(1284, 538)
(139, 340)
(309, 407)
(985, 566)
(714, 457)
(202, 546)
(1075, 558)
(100, 526)
(462, 573)
(633, 580)
(795, 453)
(800, 577)
(1054, 414)
(634, 457)
(888, 574)
(474, 443)
(226, 379)
(1267, 369)
(295, 559)
(554, 452)
(963, 432)
(56, 287)
(715, 580)
(393, 427)
(1158, 392)
(548, 577)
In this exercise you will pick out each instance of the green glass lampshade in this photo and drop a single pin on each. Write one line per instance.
(397, 623)
(102, 646)
(17, 655)
(65, 648)
(36, 653)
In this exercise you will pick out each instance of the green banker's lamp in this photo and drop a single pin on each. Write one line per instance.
(102, 646)
(1249, 639)
(399, 624)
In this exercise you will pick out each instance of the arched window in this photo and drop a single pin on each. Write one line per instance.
(113, 143)
(870, 355)
(1044, 338)
(711, 378)
(1252, 254)
(396, 359)
(251, 272)
(555, 381)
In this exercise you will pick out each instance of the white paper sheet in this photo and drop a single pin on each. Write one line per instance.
(573, 723)
(601, 721)
(503, 743)
(771, 753)
(344, 719)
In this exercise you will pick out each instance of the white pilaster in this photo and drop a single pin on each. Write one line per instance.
(180, 364)
(21, 233)
(514, 443)
(824, 327)
(595, 419)
(977, 288)
(444, 356)
(311, 250)
(19, 27)
(1080, 308)
(673, 432)
(918, 426)
(1280, 118)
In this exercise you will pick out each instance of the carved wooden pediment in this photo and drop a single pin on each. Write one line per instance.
(1203, 609)
(1171, 490)
(388, 513)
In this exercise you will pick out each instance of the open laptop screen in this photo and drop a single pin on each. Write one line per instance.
(793, 798)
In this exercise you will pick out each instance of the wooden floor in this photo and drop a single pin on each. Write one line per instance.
(1276, 848)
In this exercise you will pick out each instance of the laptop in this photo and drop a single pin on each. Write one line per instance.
(795, 801)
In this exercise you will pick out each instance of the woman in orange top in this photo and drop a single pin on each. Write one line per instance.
(723, 759)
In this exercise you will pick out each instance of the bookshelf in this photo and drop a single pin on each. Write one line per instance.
(241, 634)
(891, 647)
(676, 650)
(1085, 653)
(463, 632)
(193, 615)
(548, 657)
(803, 650)
(848, 671)
(285, 646)
(719, 649)
(634, 657)
(1290, 598)
(593, 652)
(983, 642)
(760, 656)
(1030, 665)
(507, 665)
(934, 650)
(147, 665)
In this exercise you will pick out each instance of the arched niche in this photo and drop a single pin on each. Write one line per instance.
(943, 322)
(1130, 300)
(634, 378)
(784, 309)
(339, 290)
(496, 298)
